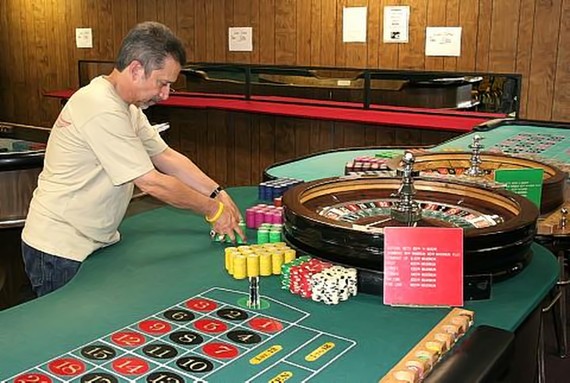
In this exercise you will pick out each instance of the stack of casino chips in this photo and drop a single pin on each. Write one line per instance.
(227, 239)
(334, 285)
(317, 280)
(257, 260)
(269, 233)
(269, 190)
(262, 213)
(423, 357)
(366, 165)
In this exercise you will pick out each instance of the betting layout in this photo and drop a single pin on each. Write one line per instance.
(520, 140)
(528, 143)
(210, 337)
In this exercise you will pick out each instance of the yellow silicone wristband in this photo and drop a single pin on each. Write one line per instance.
(217, 215)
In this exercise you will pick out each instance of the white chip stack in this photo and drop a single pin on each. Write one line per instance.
(333, 285)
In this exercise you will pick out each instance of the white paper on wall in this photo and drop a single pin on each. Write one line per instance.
(396, 24)
(443, 41)
(240, 39)
(354, 24)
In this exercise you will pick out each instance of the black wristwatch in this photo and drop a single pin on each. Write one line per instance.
(216, 192)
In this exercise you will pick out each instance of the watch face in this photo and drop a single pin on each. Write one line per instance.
(216, 192)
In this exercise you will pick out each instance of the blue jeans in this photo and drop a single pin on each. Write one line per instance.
(47, 272)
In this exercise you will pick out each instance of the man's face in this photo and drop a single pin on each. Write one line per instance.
(156, 86)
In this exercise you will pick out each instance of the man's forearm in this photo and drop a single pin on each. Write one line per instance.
(172, 191)
(179, 166)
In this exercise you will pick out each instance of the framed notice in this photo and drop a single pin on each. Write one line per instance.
(423, 266)
(396, 24)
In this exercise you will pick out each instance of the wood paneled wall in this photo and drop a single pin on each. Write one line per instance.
(235, 148)
(531, 37)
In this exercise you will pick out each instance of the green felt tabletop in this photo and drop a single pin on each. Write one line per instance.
(166, 257)
(325, 165)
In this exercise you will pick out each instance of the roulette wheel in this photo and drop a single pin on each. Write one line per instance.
(341, 219)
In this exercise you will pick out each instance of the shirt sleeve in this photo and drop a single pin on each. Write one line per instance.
(115, 143)
(151, 139)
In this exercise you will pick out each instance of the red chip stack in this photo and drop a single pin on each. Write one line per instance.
(300, 276)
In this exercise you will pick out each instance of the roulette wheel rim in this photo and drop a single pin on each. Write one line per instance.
(554, 178)
(501, 251)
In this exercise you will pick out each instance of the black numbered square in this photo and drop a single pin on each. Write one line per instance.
(232, 314)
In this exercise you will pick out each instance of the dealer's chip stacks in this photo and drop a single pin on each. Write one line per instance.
(418, 363)
(334, 285)
(275, 188)
(257, 260)
(262, 213)
(368, 166)
(320, 281)
(269, 233)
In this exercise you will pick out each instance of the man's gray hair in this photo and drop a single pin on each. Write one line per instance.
(150, 43)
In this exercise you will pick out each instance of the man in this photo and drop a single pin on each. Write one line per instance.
(100, 147)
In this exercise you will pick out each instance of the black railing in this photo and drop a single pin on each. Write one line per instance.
(476, 91)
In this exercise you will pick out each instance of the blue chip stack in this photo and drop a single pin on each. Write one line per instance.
(269, 190)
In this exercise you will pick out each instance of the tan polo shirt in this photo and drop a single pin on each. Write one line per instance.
(97, 147)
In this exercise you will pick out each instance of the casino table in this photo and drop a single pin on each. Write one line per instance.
(166, 259)
(21, 160)
(550, 141)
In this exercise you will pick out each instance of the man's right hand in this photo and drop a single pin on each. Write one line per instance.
(228, 223)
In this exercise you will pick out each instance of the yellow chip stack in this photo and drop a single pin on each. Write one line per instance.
(240, 266)
(265, 266)
(276, 261)
(253, 264)
(257, 260)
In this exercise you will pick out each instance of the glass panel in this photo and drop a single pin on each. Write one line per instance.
(344, 87)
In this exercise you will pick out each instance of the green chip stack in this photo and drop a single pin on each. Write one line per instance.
(269, 233)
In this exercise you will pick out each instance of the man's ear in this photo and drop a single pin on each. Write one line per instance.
(136, 70)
